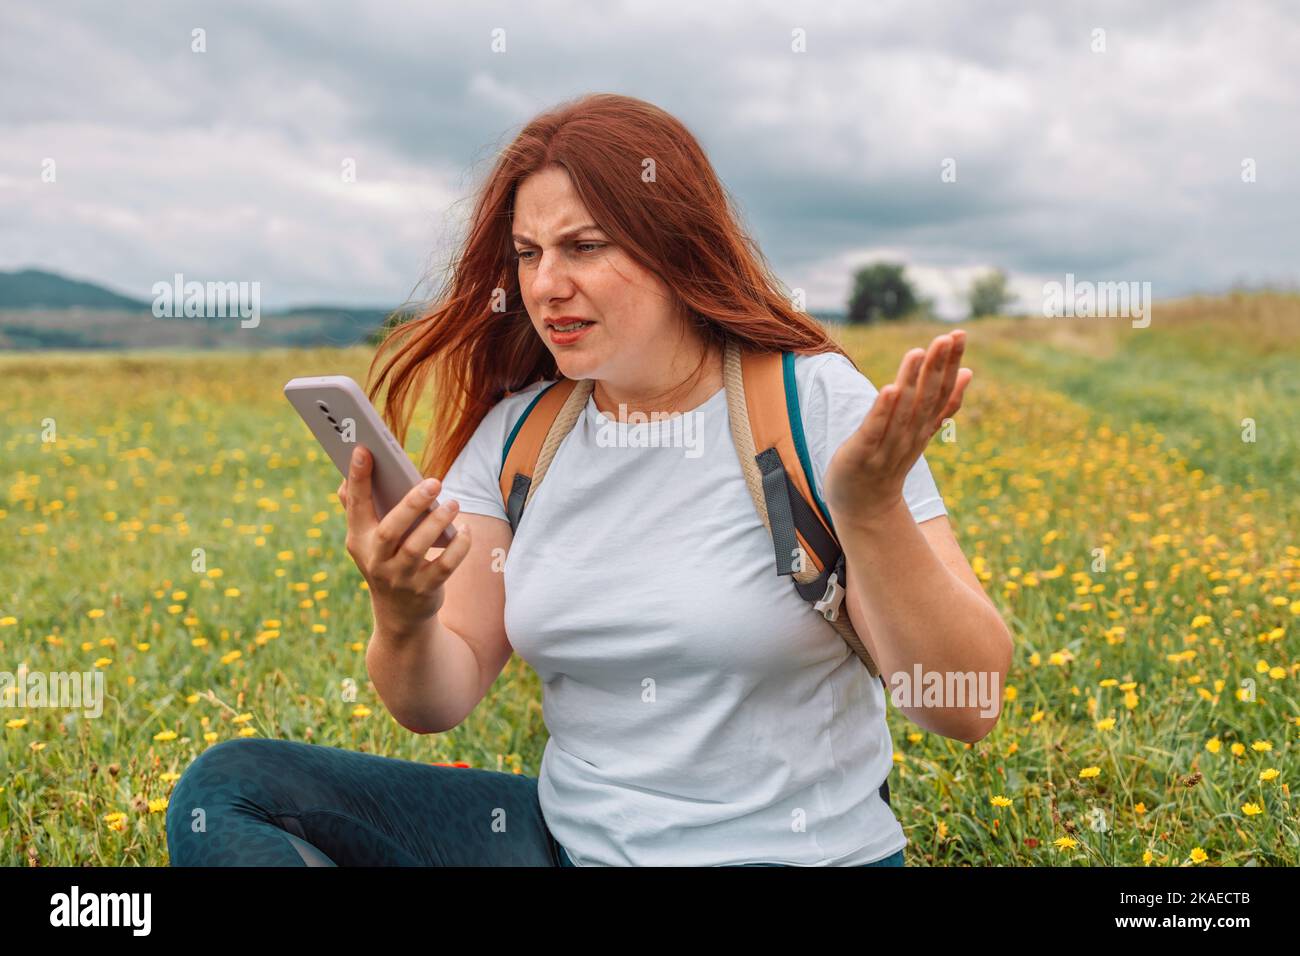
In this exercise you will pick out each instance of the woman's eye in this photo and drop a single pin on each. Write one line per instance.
(526, 254)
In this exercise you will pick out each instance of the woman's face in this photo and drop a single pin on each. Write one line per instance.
(569, 267)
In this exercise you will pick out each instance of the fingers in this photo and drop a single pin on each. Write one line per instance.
(946, 377)
(876, 424)
(964, 376)
(414, 504)
(360, 505)
(895, 438)
(411, 551)
(433, 573)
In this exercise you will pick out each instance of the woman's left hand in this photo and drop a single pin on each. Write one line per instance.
(865, 475)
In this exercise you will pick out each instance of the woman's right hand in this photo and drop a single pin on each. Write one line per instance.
(406, 588)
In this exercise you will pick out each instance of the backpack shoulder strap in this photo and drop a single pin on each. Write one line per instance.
(532, 442)
(767, 426)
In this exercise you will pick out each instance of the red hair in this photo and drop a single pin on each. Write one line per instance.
(681, 225)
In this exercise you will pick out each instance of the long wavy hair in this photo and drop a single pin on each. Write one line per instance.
(477, 343)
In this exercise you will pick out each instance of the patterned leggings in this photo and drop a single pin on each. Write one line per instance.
(262, 802)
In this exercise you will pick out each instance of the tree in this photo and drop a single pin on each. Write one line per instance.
(880, 291)
(989, 294)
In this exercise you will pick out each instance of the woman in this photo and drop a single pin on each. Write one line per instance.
(699, 711)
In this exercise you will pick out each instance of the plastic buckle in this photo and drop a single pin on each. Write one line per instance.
(829, 605)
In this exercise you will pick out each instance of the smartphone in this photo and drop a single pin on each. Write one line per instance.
(341, 417)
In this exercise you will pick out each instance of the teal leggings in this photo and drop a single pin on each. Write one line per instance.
(254, 801)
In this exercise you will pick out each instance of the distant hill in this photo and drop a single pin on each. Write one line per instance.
(45, 310)
(34, 289)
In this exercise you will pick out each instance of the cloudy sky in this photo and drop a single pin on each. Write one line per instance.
(1088, 138)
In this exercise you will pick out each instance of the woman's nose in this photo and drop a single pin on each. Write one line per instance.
(551, 276)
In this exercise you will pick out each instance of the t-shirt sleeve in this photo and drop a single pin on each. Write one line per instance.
(834, 398)
(473, 478)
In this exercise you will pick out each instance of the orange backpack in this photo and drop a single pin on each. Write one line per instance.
(763, 408)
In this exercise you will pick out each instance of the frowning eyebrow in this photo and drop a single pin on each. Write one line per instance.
(518, 237)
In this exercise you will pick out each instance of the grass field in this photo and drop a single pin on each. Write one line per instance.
(1143, 552)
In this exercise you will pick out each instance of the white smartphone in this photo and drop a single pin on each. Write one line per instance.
(341, 417)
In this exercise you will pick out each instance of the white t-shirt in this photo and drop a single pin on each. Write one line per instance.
(700, 712)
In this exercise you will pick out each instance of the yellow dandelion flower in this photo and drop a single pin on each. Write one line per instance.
(1270, 774)
(361, 710)
(103, 661)
(1198, 855)
(210, 736)
(1036, 716)
(1250, 809)
(231, 656)
(231, 592)
(247, 732)
(1213, 745)
(1106, 723)
(17, 723)
(165, 735)
(1065, 843)
(1261, 745)
(158, 805)
(1000, 801)
(1147, 857)
(95, 612)
(242, 719)
(1088, 772)
(1238, 749)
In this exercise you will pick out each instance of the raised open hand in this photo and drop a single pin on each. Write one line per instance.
(865, 475)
